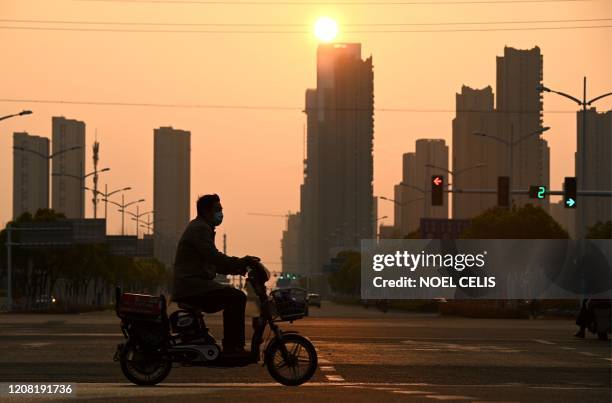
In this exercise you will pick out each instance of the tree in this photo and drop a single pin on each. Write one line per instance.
(347, 280)
(601, 230)
(80, 271)
(526, 222)
(416, 234)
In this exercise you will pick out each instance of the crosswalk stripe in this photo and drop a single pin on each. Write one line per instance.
(543, 341)
(449, 397)
(334, 378)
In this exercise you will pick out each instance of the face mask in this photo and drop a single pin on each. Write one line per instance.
(218, 218)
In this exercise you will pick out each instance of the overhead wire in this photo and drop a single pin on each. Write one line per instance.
(264, 107)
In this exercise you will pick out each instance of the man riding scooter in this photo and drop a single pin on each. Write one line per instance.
(196, 265)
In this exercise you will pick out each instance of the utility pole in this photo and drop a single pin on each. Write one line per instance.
(9, 268)
(123, 214)
(584, 104)
(96, 149)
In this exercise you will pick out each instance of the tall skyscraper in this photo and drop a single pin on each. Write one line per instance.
(67, 191)
(337, 194)
(597, 175)
(475, 113)
(406, 197)
(171, 189)
(413, 197)
(290, 245)
(30, 173)
(519, 110)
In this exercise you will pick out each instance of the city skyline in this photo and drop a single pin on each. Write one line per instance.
(422, 80)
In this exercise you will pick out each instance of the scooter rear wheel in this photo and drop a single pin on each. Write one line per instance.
(143, 369)
(298, 366)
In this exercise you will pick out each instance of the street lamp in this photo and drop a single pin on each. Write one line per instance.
(511, 144)
(46, 157)
(41, 155)
(106, 195)
(22, 113)
(455, 173)
(122, 206)
(81, 178)
(136, 217)
(583, 104)
(149, 225)
(401, 204)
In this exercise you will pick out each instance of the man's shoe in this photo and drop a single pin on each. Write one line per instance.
(580, 334)
(235, 352)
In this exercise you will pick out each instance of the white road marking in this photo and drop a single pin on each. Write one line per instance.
(586, 353)
(608, 359)
(411, 392)
(51, 334)
(35, 345)
(174, 385)
(334, 378)
(413, 345)
(543, 341)
(449, 397)
(495, 401)
(327, 368)
(567, 348)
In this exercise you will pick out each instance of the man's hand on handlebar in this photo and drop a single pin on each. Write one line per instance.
(248, 261)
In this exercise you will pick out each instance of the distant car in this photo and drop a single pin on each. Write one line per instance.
(44, 301)
(314, 300)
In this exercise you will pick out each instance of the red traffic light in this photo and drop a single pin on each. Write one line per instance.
(437, 191)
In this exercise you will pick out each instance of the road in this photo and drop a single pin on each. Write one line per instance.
(365, 356)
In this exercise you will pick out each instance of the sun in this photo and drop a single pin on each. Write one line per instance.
(326, 29)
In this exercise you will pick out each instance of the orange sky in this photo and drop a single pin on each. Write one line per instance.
(252, 158)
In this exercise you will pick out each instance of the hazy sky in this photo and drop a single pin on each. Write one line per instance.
(253, 158)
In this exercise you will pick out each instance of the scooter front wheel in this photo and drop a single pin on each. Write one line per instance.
(294, 367)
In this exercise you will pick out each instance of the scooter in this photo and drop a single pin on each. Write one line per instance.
(155, 342)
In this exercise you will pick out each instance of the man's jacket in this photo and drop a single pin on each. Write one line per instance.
(198, 261)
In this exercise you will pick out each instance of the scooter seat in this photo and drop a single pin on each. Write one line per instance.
(189, 307)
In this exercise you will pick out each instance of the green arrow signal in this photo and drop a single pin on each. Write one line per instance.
(570, 202)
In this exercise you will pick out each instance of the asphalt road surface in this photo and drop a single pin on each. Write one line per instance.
(364, 356)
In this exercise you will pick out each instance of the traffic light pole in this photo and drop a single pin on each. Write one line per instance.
(9, 269)
(598, 193)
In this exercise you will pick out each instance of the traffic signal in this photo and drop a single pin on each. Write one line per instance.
(569, 192)
(437, 190)
(503, 191)
(537, 192)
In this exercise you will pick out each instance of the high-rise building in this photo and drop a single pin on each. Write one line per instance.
(68, 168)
(477, 162)
(597, 175)
(289, 245)
(171, 189)
(30, 173)
(408, 198)
(519, 115)
(337, 194)
(413, 195)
